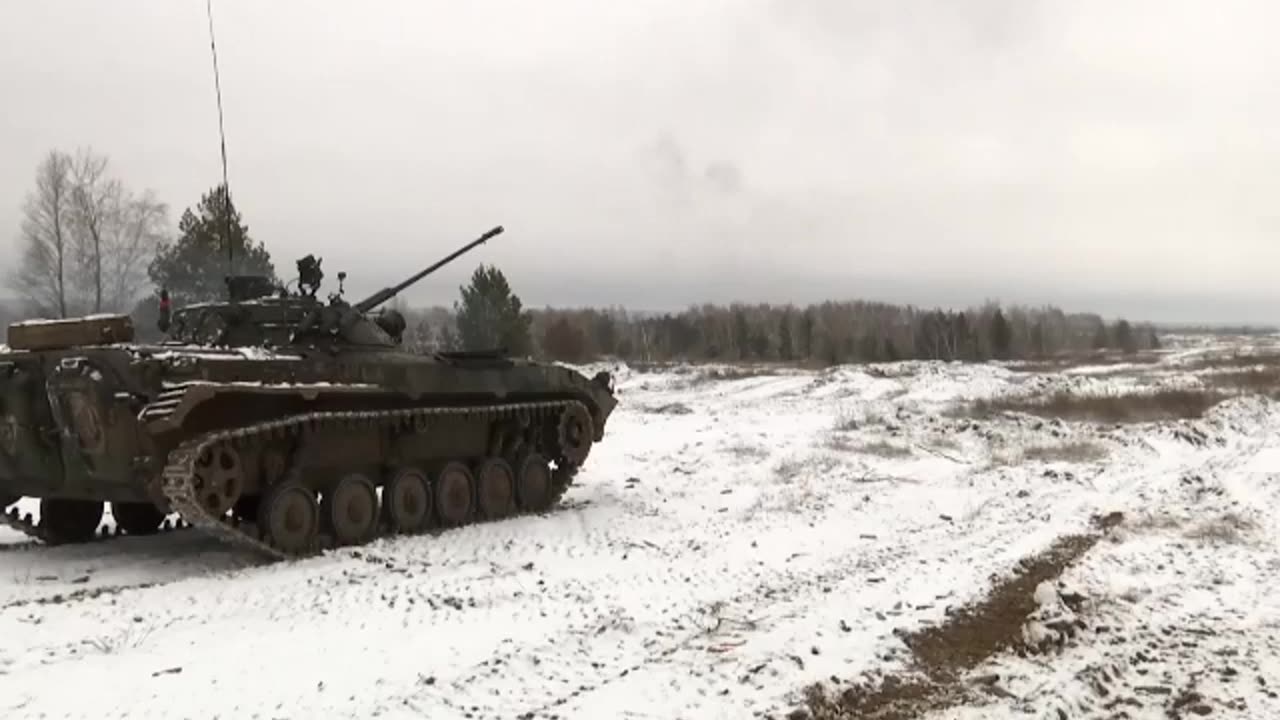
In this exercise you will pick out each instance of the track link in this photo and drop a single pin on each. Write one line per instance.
(178, 477)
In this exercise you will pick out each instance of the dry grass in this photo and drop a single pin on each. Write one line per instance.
(1154, 522)
(878, 448)
(856, 420)
(944, 443)
(1228, 528)
(668, 409)
(698, 373)
(839, 443)
(1066, 362)
(883, 449)
(1236, 375)
(1131, 407)
(1264, 381)
(788, 469)
(739, 373)
(746, 451)
(848, 421)
(1073, 452)
(1235, 360)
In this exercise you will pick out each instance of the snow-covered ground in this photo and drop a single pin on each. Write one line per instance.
(732, 541)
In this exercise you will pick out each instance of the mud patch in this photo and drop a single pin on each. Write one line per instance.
(941, 655)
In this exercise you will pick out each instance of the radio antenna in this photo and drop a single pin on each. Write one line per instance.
(226, 187)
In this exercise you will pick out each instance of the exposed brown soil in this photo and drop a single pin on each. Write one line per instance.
(941, 655)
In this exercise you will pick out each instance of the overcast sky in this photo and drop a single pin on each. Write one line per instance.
(1117, 156)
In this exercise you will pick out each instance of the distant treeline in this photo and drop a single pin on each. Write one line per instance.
(824, 334)
(1244, 330)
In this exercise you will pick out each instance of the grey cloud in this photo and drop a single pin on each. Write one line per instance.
(1116, 156)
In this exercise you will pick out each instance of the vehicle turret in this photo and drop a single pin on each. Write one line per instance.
(258, 313)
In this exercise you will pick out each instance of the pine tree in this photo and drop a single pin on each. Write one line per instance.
(1001, 335)
(786, 349)
(1037, 340)
(490, 316)
(564, 341)
(741, 333)
(806, 334)
(1124, 337)
(1101, 339)
(194, 267)
(605, 332)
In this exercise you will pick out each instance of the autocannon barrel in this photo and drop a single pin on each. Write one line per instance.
(386, 294)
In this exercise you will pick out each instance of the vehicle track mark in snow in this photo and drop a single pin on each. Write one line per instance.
(593, 651)
(1180, 618)
(599, 651)
(74, 596)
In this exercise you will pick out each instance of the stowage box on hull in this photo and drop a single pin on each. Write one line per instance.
(74, 332)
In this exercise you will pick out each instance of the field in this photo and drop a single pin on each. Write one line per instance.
(895, 541)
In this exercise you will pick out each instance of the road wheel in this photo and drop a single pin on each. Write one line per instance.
(406, 501)
(289, 516)
(350, 510)
(495, 488)
(533, 483)
(454, 494)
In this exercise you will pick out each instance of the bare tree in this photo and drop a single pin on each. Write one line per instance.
(109, 233)
(96, 205)
(141, 224)
(85, 239)
(45, 237)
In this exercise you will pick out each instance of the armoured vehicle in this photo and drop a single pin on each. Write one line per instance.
(282, 422)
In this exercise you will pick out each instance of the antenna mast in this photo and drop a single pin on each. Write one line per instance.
(226, 187)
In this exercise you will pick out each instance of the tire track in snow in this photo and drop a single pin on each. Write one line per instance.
(596, 650)
(1157, 644)
(609, 635)
(590, 652)
(1163, 649)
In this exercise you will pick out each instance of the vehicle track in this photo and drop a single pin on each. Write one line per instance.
(181, 485)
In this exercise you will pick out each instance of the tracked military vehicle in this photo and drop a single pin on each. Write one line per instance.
(282, 423)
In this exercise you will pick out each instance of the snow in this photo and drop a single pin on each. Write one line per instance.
(65, 321)
(737, 536)
(260, 353)
(197, 352)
